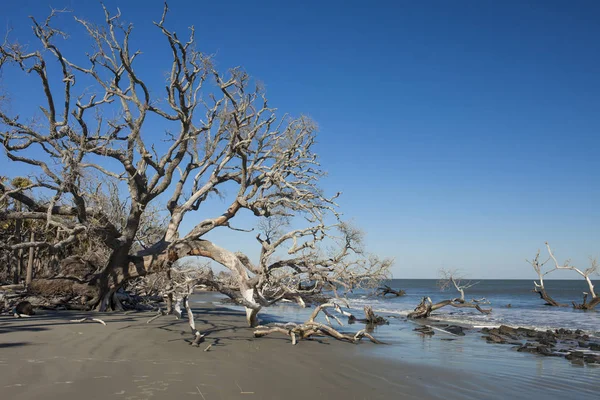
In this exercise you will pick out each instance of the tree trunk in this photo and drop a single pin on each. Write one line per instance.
(18, 253)
(426, 307)
(252, 317)
(30, 261)
(585, 305)
(541, 290)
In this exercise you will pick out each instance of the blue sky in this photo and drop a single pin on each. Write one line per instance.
(462, 134)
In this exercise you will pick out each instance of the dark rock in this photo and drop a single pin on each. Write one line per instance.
(594, 346)
(425, 330)
(544, 350)
(526, 332)
(592, 358)
(485, 330)
(546, 337)
(575, 354)
(495, 338)
(582, 343)
(547, 342)
(507, 330)
(527, 349)
(457, 330)
(578, 332)
(24, 308)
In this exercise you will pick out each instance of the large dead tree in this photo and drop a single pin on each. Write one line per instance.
(590, 298)
(205, 133)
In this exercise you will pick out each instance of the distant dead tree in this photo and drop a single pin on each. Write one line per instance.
(449, 278)
(452, 278)
(109, 153)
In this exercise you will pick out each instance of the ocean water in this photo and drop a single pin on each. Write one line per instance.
(490, 371)
(526, 307)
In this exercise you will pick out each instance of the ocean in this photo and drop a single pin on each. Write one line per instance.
(490, 371)
(526, 309)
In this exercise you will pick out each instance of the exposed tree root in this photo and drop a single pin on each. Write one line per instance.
(84, 319)
(160, 314)
(198, 337)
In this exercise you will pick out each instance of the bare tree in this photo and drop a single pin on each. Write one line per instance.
(452, 278)
(539, 286)
(219, 132)
(586, 274)
(449, 278)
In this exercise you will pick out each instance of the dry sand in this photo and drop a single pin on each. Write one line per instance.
(48, 357)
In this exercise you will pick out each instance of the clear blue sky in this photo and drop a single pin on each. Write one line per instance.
(461, 133)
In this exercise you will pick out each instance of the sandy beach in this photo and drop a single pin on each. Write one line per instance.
(47, 356)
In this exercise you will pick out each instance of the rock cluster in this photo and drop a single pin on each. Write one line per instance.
(573, 345)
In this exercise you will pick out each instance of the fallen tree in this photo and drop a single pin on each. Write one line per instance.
(116, 168)
(385, 290)
(449, 278)
(452, 278)
(312, 328)
(426, 307)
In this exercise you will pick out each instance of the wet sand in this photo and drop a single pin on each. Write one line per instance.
(48, 357)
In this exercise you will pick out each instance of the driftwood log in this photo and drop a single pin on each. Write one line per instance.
(312, 328)
(426, 307)
(385, 290)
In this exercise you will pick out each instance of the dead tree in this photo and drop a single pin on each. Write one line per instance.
(219, 131)
(385, 290)
(450, 278)
(539, 287)
(594, 300)
(426, 307)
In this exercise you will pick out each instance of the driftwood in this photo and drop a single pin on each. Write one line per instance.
(385, 290)
(198, 337)
(311, 328)
(370, 318)
(426, 307)
(84, 319)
